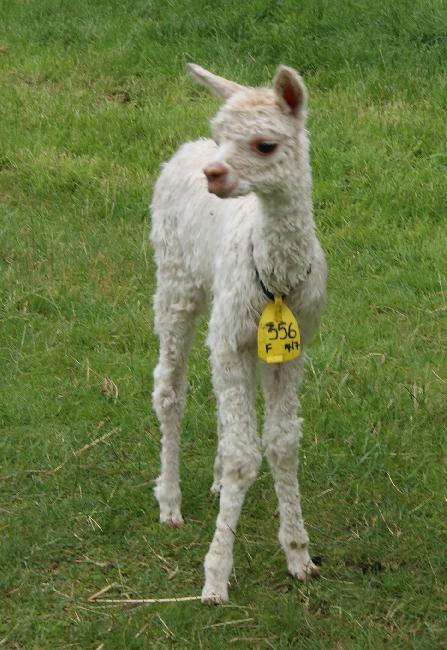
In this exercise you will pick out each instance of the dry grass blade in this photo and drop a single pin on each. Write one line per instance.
(101, 565)
(145, 601)
(102, 591)
(225, 623)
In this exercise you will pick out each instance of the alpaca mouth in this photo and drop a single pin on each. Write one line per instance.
(221, 189)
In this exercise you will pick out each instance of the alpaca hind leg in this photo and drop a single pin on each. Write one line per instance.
(281, 441)
(217, 472)
(175, 319)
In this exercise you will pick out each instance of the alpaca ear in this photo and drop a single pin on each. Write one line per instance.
(219, 85)
(291, 90)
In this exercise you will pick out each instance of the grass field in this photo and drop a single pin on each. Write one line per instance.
(94, 96)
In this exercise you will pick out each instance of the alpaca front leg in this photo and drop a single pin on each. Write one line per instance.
(240, 458)
(281, 441)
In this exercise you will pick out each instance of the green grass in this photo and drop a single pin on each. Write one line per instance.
(94, 97)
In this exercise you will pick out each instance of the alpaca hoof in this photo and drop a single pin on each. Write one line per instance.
(214, 596)
(172, 519)
(304, 571)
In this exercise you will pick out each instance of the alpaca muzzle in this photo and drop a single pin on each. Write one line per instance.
(219, 182)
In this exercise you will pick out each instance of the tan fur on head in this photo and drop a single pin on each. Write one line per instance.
(255, 97)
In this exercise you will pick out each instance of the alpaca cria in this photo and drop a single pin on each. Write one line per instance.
(232, 221)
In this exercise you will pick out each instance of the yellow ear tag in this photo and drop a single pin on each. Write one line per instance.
(278, 333)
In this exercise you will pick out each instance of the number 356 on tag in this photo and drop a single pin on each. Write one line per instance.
(278, 333)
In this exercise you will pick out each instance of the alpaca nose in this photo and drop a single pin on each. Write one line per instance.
(215, 172)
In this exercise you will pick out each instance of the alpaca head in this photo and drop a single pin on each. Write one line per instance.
(258, 132)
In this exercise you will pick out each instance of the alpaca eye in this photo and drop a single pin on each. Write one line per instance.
(265, 147)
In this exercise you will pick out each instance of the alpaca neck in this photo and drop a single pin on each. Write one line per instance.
(283, 237)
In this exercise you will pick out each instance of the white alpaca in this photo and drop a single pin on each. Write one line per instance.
(231, 217)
